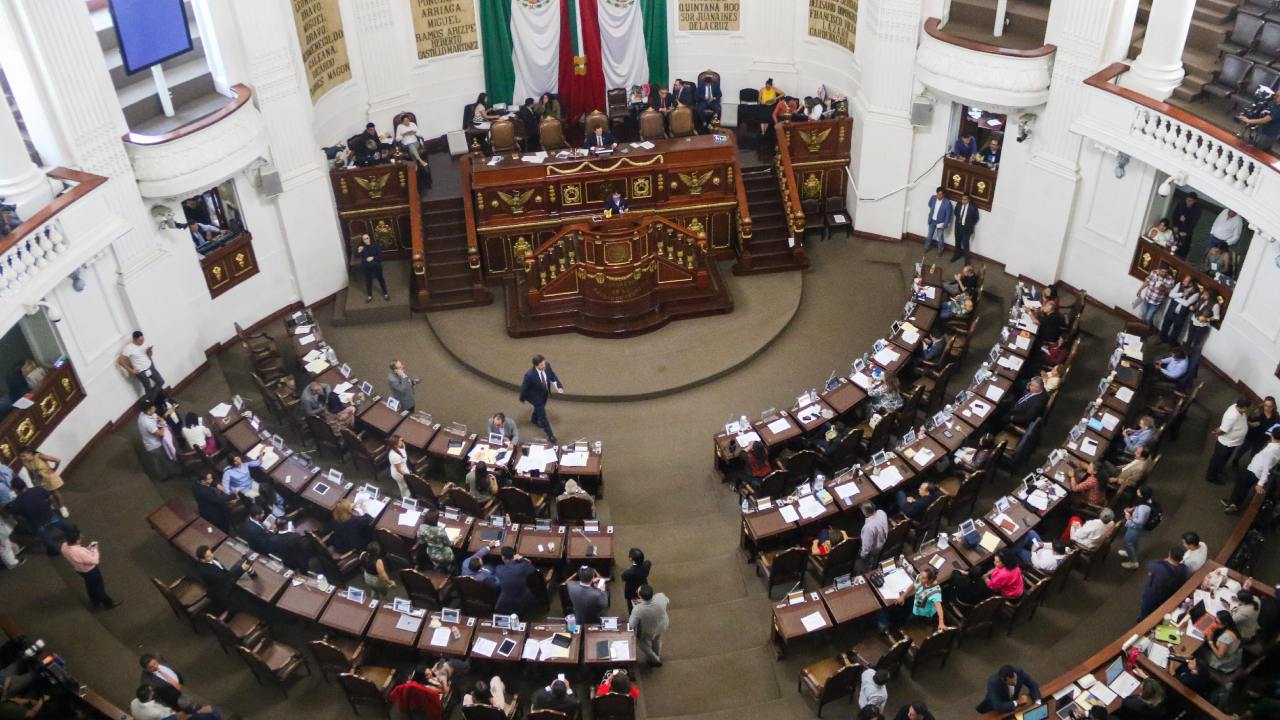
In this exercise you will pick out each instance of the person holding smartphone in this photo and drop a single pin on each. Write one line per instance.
(85, 560)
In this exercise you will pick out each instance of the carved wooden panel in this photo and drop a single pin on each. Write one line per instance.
(54, 399)
(960, 177)
(1149, 256)
(229, 265)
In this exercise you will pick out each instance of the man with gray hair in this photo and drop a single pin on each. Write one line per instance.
(1089, 535)
(875, 530)
(650, 620)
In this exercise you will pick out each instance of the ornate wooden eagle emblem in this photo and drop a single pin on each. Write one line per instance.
(813, 140)
(374, 185)
(516, 201)
(695, 182)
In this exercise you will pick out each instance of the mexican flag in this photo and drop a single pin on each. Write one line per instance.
(576, 48)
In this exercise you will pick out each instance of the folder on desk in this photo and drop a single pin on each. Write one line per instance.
(1168, 634)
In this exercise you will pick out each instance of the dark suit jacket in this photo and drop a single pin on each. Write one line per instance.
(616, 206)
(211, 503)
(544, 700)
(607, 138)
(1051, 327)
(533, 391)
(657, 103)
(971, 217)
(258, 537)
(218, 582)
(998, 697)
(1024, 411)
(1186, 218)
(700, 92)
(513, 586)
(685, 96)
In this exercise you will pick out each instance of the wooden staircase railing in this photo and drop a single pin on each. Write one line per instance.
(418, 293)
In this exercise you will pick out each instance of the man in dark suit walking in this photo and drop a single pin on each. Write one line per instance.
(536, 390)
(217, 579)
(966, 219)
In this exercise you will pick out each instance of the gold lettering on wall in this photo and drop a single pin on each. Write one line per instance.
(443, 27)
(834, 21)
(710, 15)
(323, 44)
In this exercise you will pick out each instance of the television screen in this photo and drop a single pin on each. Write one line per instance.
(149, 31)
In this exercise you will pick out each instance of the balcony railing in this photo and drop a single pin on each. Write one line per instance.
(201, 153)
(1177, 142)
(983, 74)
(42, 240)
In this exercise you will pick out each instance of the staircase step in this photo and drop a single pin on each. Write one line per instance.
(771, 263)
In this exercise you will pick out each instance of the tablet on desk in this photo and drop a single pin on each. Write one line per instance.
(1039, 712)
(506, 647)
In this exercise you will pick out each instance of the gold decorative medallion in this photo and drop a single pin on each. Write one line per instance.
(572, 193)
(48, 406)
(25, 431)
(641, 187)
(811, 189)
(521, 249)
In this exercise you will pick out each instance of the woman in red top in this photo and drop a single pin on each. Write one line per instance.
(620, 684)
(1089, 490)
(1006, 577)
(757, 465)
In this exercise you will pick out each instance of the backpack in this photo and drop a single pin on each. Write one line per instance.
(1153, 520)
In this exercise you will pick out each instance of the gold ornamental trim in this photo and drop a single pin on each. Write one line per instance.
(383, 209)
(620, 162)
(567, 220)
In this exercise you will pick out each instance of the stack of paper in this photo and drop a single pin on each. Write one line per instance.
(895, 585)
(1124, 394)
(847, 490)
(440, 637)
(484, 647)
(923, 456)
(886, 357)
(619, 650)
(813, 621)
(574, 459)
(788, 513)
(315, 367)
(409, 518)
(810, 507)
(220, 410)
(745, 439)
(887, 477)
(994, 393)
(1022, 342)
(313, 355)
(779, 426)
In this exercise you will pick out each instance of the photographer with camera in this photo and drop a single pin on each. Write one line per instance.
(1262, 121)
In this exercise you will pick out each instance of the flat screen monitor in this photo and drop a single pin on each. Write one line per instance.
(149, 31)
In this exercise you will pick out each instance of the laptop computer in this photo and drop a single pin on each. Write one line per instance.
(1039, 712)
(1114, 669)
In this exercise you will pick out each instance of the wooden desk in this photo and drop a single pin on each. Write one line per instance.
(491, 455)
(863, 490)
(891, 359)
(930, 295)
(347, 616)
(231, 552)
(383, 627)
(487, 531)
(904, 469)
(923, 454)
(380, 418)
(1091, 446)
(844, 397)
(390, 520)
(990, 391)
(1114, 398)
(171, 518)
(589, 476)
(541, 545)
(458, 644)
(1020, 343)
(304, 598)
(924, 558)
(1055, 493)
(538, 632)
(450, 445)
(294, 474)
(977, 409)
(458, 528)
(1106, 415)
(856, 601)
(594, 634)
(199, 532)
(775, 439)
(763, 528)
(242, 436)
(546, 471)
(909, 342)
(325, 494)
(885, 598)
(977, 555)
(486, 631)
(417, 433)
(952, 434)
(1009, 365)
(829, 510)
(812, 416)
(1022, 518)
(1128, 375)
(581, 539)
(271, 578)
(788, 619)
(922, 316)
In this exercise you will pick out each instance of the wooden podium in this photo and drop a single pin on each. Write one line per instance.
(614, 277)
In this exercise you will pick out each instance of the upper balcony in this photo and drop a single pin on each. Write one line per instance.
(1179, 143)
(201, 153)
(982, 74)
(51, 244)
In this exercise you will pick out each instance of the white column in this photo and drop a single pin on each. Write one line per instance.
(383, 32)
(22, 183)
(1045, 192)
(883, 134)
(1158, 70)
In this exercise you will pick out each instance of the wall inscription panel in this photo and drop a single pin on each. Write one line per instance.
(834, 21)
(710, 15)
(323, 43)
(444, 27)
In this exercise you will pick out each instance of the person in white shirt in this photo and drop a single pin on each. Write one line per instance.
(1230, 434)
(196, 434)
(136, 358)
(1194, 552)
(398, 460)
(1160, 234)
(407, 136)
(1256, 474)
(872, 690)
(1226, 229)
(1089, 535)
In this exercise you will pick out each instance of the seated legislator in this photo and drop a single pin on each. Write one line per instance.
(664, 102)
(708, 100)
(368, 148)
(529, 116)
(601, 140)
(990, 154)
(1028, 407)
(1173, 367)
(965, 147)
(1089, 534)
(1052, 324)
(615, 205)
(481, 116)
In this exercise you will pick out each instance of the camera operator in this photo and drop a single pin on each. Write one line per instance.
(1262, 120)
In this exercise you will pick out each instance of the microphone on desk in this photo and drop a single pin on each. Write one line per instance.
(591, 548)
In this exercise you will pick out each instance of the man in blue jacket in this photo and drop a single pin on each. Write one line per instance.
(940, 212)
(536, 389)
(1005, 689)
(513, 583)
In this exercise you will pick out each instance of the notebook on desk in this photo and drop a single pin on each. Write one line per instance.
(602, 649)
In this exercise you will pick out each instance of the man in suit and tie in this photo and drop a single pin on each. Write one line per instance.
(217, 579)
(683, 92)
(1028, 407)
(940, 212)
(966, 214)
(708, 100)
(536, 390)
(601, 139)
(615, 205)
(167, 684)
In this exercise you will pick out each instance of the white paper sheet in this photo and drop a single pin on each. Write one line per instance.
(1022, 342)
(923, 456)
(1110, 421)
(408, 623)
(910, 336)
(453, 533)
(895, 585)
(306, 340)
(847, 490)
(813, 621)
(220, 410)
(994, 393)
(1124, 684)
(316, 367)
(886, 357)
(779, 426)
(440, 637)
(409, 518)
(745, 439)
(810, 507)
(342, 387)
(788, 513)
(619, 649)
(302, 330)
(485, 647)
(887, 478)
(1124, 394)
(312, 356)
(574, 459)
(1088, 446)
(1103, 693)
(530, 651)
